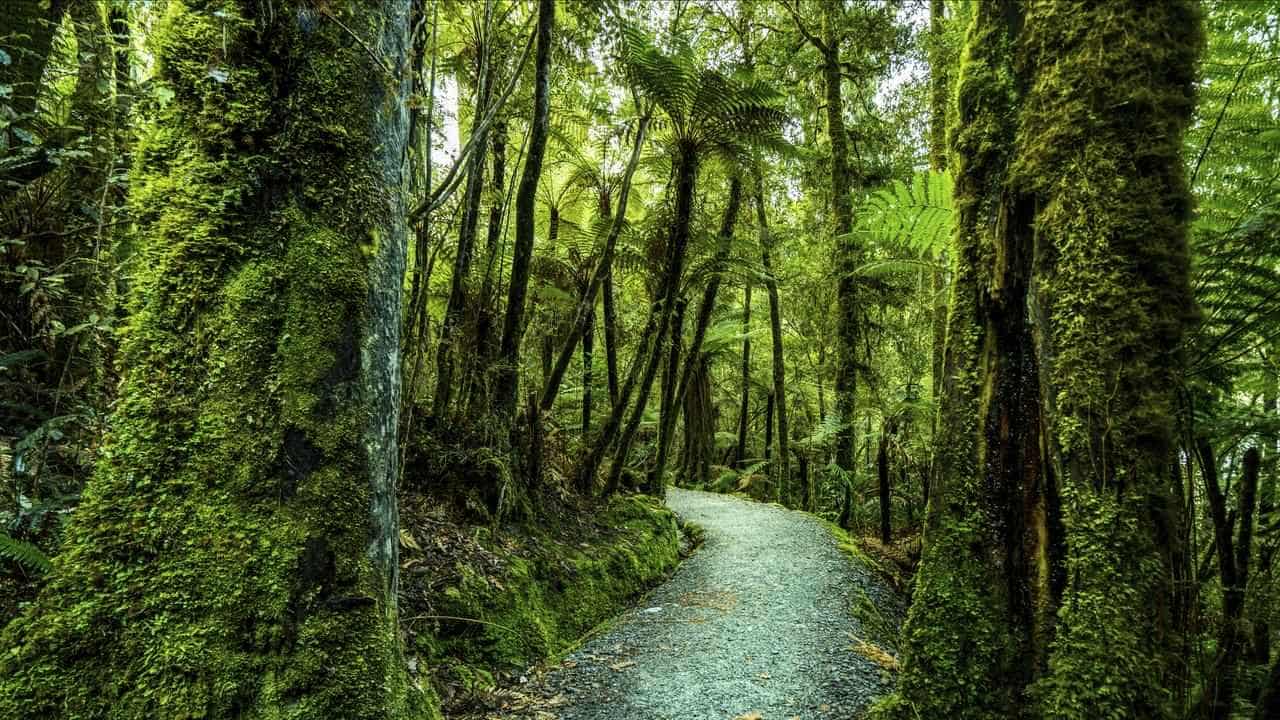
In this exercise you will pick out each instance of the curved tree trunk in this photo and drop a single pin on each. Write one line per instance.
(235, 555)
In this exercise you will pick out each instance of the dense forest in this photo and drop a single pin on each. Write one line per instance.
(595, 359)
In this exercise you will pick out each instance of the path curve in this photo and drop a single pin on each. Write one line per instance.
(757, 621)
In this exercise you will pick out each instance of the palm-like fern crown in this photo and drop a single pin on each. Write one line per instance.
(707, 110)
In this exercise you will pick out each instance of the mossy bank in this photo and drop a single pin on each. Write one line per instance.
(480, 606)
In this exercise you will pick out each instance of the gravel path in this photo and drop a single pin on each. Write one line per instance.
(756, 624)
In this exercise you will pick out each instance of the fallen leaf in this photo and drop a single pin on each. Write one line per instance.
(406, 539)
(875, 654)
(763, 676)
(619, 667)
(753, 715)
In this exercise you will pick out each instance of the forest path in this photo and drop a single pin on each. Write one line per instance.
(756, 624)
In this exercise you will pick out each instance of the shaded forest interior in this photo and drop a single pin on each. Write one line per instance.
(347, 349)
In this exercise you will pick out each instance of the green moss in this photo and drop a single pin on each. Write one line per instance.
(554, 591)
(959, 644)
(1100, 146)
(218, 565)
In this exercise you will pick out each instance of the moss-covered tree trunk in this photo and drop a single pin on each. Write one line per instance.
(961, 646)
(939, 89)
(841, 185)
(1100, 149)
(235, 554)
(1044, 589)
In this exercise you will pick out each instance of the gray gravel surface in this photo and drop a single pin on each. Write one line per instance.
(757, 623)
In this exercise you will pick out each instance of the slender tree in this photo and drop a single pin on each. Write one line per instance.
(744, 403)
(526, 197)
(775, 332)
(706, 307)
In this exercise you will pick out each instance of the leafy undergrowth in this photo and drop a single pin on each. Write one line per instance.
(481, 606)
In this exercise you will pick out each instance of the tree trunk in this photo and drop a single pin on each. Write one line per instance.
(699, 426)
(1233, 568)
(694, 358)
(1100, 145)
(480, 361)
(744, 406)
(769, 406)
(882, 474)
(967, 652)
(686, 178)
(455, 310)
(588, 343)
(31, 26)
(808, 498)
(235, 555)
(1261, 649)
(1268, 707)
(670, 402)
(610, 337)
(775, 329)
(526, 196)
(848, 254)
(939, 86)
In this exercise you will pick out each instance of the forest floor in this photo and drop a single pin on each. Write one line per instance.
(760, 624)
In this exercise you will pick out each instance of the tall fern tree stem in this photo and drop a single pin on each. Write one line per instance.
(779, 365)
(694, 357)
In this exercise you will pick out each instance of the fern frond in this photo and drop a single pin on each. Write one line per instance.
(24, 553)
(917, 214)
